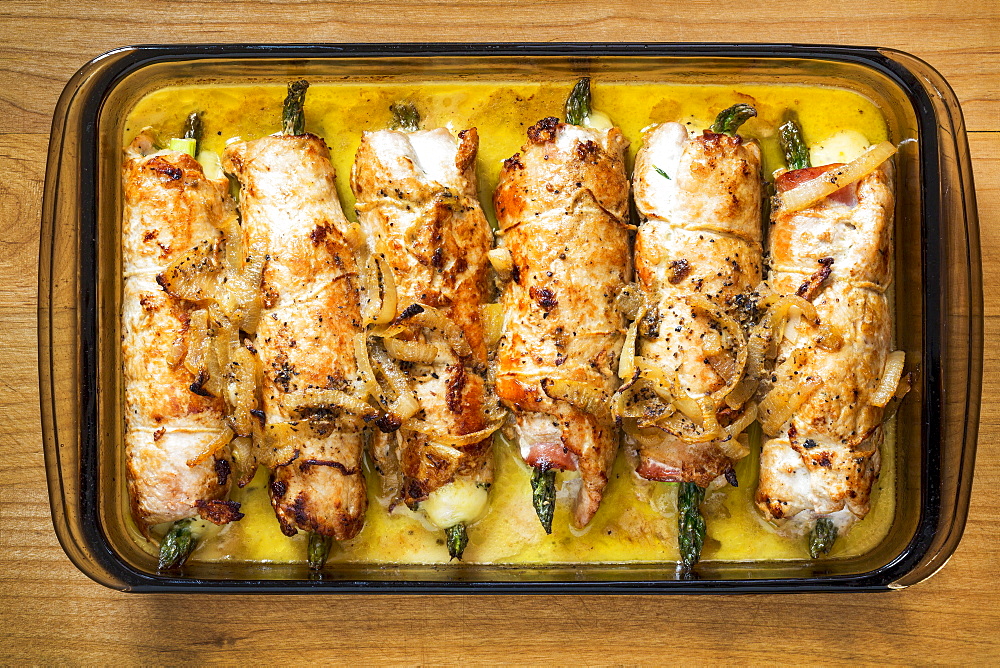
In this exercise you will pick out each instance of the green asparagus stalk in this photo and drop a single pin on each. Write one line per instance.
(192, 134)
(318, 551)
(543, 495)
(795, 150)
(192, 126)
(822, 537)
(690, 523)
(457, 538)
(405, 117)
(729, 120)
(293, 118)
(578, 102)
(177, 545)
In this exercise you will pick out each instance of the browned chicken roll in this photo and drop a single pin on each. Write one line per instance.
(833, 372)
(176, 438)
(312, 435)
(697, 257)
(418, 207)
(562, 208)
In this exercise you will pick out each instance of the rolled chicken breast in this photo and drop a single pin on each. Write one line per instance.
(312, 434)
(562, 208)
(697, 255)
(830, 382)
(176, 437)
(417, 205)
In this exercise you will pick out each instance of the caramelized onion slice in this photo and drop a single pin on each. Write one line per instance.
(213, 446)
(453, 440)
(316, 398)
(241, 396)
(244, 462)
(810, 192)
(411, 351)
(743, 421)
(405, 404)
(778, 406)
(626, 363)
(584, 396)
(890, 378)
(195, 276)
(276, 443)
(434, 319)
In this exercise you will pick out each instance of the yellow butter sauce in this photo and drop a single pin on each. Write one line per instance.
(637, 520)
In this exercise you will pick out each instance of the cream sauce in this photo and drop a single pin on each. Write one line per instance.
(637, 520)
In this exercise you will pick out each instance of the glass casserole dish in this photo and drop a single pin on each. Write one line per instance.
(938, 306)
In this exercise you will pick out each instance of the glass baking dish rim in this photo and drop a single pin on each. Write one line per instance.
(119, 575)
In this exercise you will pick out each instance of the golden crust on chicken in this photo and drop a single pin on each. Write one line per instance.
(562, 207)
(177, 456)
(417, 204)
(304, 338)
(698, 249)
(823, 460)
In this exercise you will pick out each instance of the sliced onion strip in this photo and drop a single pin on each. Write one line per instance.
(626, 363)
(810, 192)
(584, 396)
(213, 446)
(890, 378)
(459, 440)
(411, 351)
(778, 406)
(313, 398)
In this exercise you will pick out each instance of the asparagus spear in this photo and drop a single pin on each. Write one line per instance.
(795, 150)
(822, 537)
(578, 102)
(318, 551)
(690, 523)
(177, 545)
(405, 117)
(729, 120)
(192, 134)
(293, 118)
(457, 538)
(543, 495)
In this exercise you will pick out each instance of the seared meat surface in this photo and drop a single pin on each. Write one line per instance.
(291, 213)
(562, 207)
(177, 458)
(823, 461)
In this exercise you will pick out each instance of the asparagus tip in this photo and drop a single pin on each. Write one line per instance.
(543, 495)
(457, 538)
(792, 145)
(192, 126)
(292, 114)
(404, 116)
(822, 537)
(177, 545)
(318, 551)
(578, 102)
(729, 120)
(690, 524)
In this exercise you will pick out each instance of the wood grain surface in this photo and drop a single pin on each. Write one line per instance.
(51, 613)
